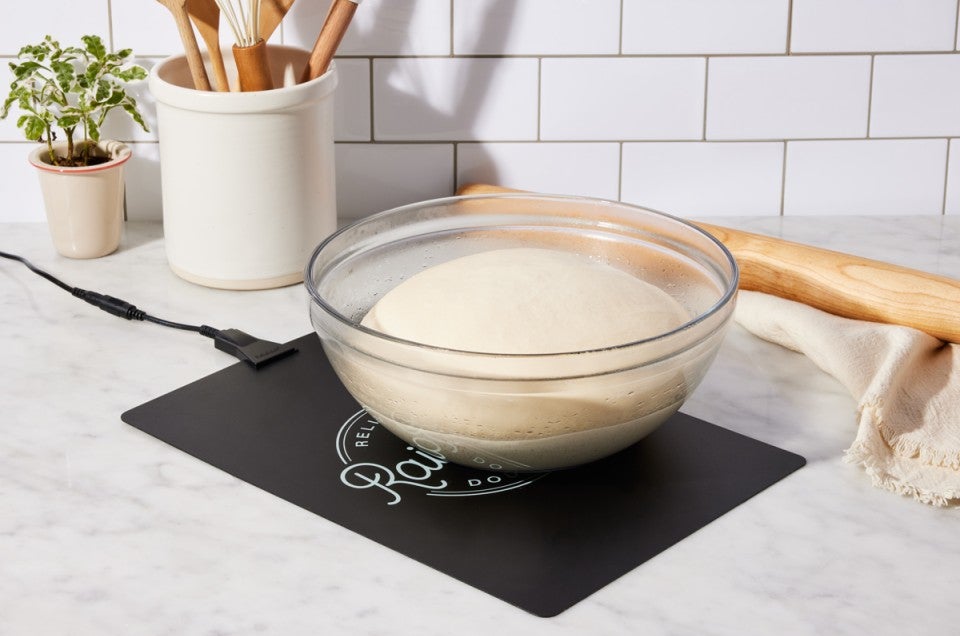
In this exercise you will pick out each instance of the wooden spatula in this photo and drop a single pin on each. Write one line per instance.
(272, 13)
(206, 17)
(190, 47)
(837, 283)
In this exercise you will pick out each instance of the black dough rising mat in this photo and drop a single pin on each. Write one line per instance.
(540, 542)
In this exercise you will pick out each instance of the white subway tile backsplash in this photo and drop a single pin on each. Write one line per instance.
(142, 177)
(376, 177)
(868, 25)
(379, 27)
(351, 100)
(146, 27)
(700, 179)
(916, 95)
(622, 98)
(695, 26)
(684, 105)
(22, 200)
(585, 169)
(29, 22)
(453, 99)
(522, 27)
(788, 98)
(876, 176)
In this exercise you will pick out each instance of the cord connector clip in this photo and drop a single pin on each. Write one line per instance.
(252, 350)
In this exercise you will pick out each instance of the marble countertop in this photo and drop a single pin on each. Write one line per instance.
(105, 530)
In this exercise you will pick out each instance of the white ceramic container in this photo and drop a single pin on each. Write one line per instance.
(248, 180)
(84, 205)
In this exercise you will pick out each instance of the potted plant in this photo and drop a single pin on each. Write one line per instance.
(71, 90)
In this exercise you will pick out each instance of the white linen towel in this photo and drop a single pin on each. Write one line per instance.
(906, 383)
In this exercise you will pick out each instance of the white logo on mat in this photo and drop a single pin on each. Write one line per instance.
(420, 471)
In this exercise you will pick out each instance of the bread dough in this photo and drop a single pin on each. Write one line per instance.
(527, 413)
(525, 301)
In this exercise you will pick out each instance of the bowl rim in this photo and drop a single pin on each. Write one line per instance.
(724, 300)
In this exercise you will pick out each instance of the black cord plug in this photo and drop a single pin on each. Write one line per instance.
(110, 304)
(249, 349)
(240, 345)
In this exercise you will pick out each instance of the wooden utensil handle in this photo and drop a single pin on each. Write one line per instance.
(842, 284)
(192, 51)
(253, 68)
(331, 33)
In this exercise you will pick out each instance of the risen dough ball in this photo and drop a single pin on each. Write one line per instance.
(525, 300)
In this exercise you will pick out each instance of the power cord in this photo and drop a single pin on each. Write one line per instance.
(243, 346)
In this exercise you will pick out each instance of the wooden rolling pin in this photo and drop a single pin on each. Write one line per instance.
(842, 284)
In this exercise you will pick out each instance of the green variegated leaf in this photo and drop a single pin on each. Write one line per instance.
(8, 102)
(21, 71)
(65, 74)
(93, 71)
(93, 130)
(33, 128)
(115, 97)
(131, 107)
(134, 73)
(104, 91)
(94, 46)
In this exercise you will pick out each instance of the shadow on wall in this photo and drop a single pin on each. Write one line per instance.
(142, 172)
(370, 176)
(374, 177)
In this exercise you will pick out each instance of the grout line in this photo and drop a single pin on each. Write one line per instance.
(456, 151)
(414, 142)
(113, 48)
(946, 180)
(451, 27)
(575, 141)
(873, 59)
(605, 56)
(620, 175)
(370, 68)
(637, 56)
(620, 43)
(646, 141)
(956, 21)
(783, 180)
(790, 27)
(706, 92)
(539, 97)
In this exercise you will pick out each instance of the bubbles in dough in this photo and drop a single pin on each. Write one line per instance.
(525, 301)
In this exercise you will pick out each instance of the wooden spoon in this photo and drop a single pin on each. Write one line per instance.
(331, 33)
(190, 47)
(206, 17)
(272, 13)
(837, 283)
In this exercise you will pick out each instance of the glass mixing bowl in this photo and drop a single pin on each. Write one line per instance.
(507, 411)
